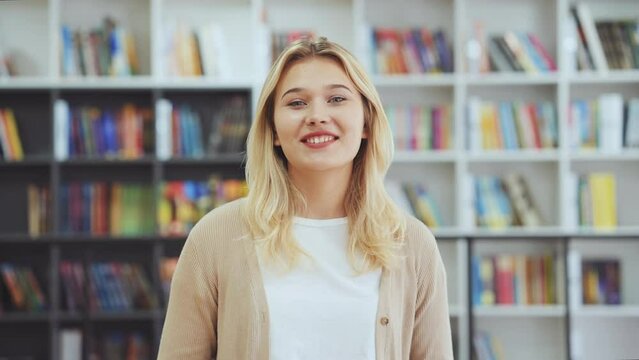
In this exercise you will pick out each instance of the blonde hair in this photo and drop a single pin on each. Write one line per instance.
(376, 225)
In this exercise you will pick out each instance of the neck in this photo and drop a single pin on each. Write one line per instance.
(324, 192)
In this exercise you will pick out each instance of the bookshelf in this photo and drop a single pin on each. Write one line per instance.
(563, 330)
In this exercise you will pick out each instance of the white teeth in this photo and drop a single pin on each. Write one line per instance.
(320, 139)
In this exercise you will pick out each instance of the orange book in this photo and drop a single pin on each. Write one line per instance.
(4, 139)
(17, 296)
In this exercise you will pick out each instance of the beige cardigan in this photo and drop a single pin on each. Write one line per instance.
(218, 308)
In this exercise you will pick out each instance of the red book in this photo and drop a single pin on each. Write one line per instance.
(542, 52)
(534, 124)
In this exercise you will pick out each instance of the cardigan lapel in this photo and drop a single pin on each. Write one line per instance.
(261, 346)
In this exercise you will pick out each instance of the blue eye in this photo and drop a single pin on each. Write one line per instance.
(337, 99)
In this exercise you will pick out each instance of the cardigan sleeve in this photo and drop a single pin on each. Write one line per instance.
(432, 338)
(190, 330)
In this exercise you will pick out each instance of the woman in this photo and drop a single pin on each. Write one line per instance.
(317, 262)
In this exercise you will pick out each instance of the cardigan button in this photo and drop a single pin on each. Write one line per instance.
(384, 321)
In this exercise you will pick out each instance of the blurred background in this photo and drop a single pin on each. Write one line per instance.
(516, 127)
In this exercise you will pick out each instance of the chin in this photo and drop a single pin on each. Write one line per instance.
(318, 166)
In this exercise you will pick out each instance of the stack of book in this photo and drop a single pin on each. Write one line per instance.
(183, 203)
(513, 125)
(108, 50)
(73, 283)
(179, 129)
(419, 128)
(119, 286)
(601, 281)
(501, 203)
(89, 131)
(507, 279)
(597, 200)
(100, 208)
(122, 345)
(414, 199)
(605, 44)
(411, 51)
(23, 289)
(195, 52)
(605, 124)
(487, 346)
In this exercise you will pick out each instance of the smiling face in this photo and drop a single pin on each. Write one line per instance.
(319, 117)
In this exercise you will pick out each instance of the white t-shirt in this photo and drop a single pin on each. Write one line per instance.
(321, 310)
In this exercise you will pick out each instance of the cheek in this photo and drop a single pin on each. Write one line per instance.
(284, 125)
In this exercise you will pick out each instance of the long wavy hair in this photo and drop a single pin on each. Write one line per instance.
(376, 225)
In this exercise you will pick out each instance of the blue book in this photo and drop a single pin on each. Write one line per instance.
(507, 126)
(443, 49)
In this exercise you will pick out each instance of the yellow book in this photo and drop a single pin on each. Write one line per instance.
(486, 274)
(34, 210)
(446, 124)
(604, 201)
(487, 138)
(132, 55)
(196, 65)
(12, 134)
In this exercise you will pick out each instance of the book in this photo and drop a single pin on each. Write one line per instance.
(587, 22)
(70, 344)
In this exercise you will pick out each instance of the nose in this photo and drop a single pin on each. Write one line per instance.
(317, 115)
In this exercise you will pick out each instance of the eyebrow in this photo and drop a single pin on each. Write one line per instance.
(331, 86)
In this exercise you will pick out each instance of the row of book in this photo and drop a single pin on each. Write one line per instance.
(513, 125)
(487, 346)
(110, 345)
(112, 286)
(501, 202)
(601, 282)
(605, 123)
(101, 208)
(416, 200)
(130, 133)
(604, 44)
(90, 131)
(10, 144)
(518, 51)
(107, 50)
(419, 127)
(597, 200)
(183, 203)
(121, 209)
(200, 51)
(509, 279)
(179, 129)
(22, 287)
(410, 51)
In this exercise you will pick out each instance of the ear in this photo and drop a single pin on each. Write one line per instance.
(276, 141)
(365, 132)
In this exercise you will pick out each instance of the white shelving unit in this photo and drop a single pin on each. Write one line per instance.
(30, 30)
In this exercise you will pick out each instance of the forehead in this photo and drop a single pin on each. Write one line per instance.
(315, 72)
